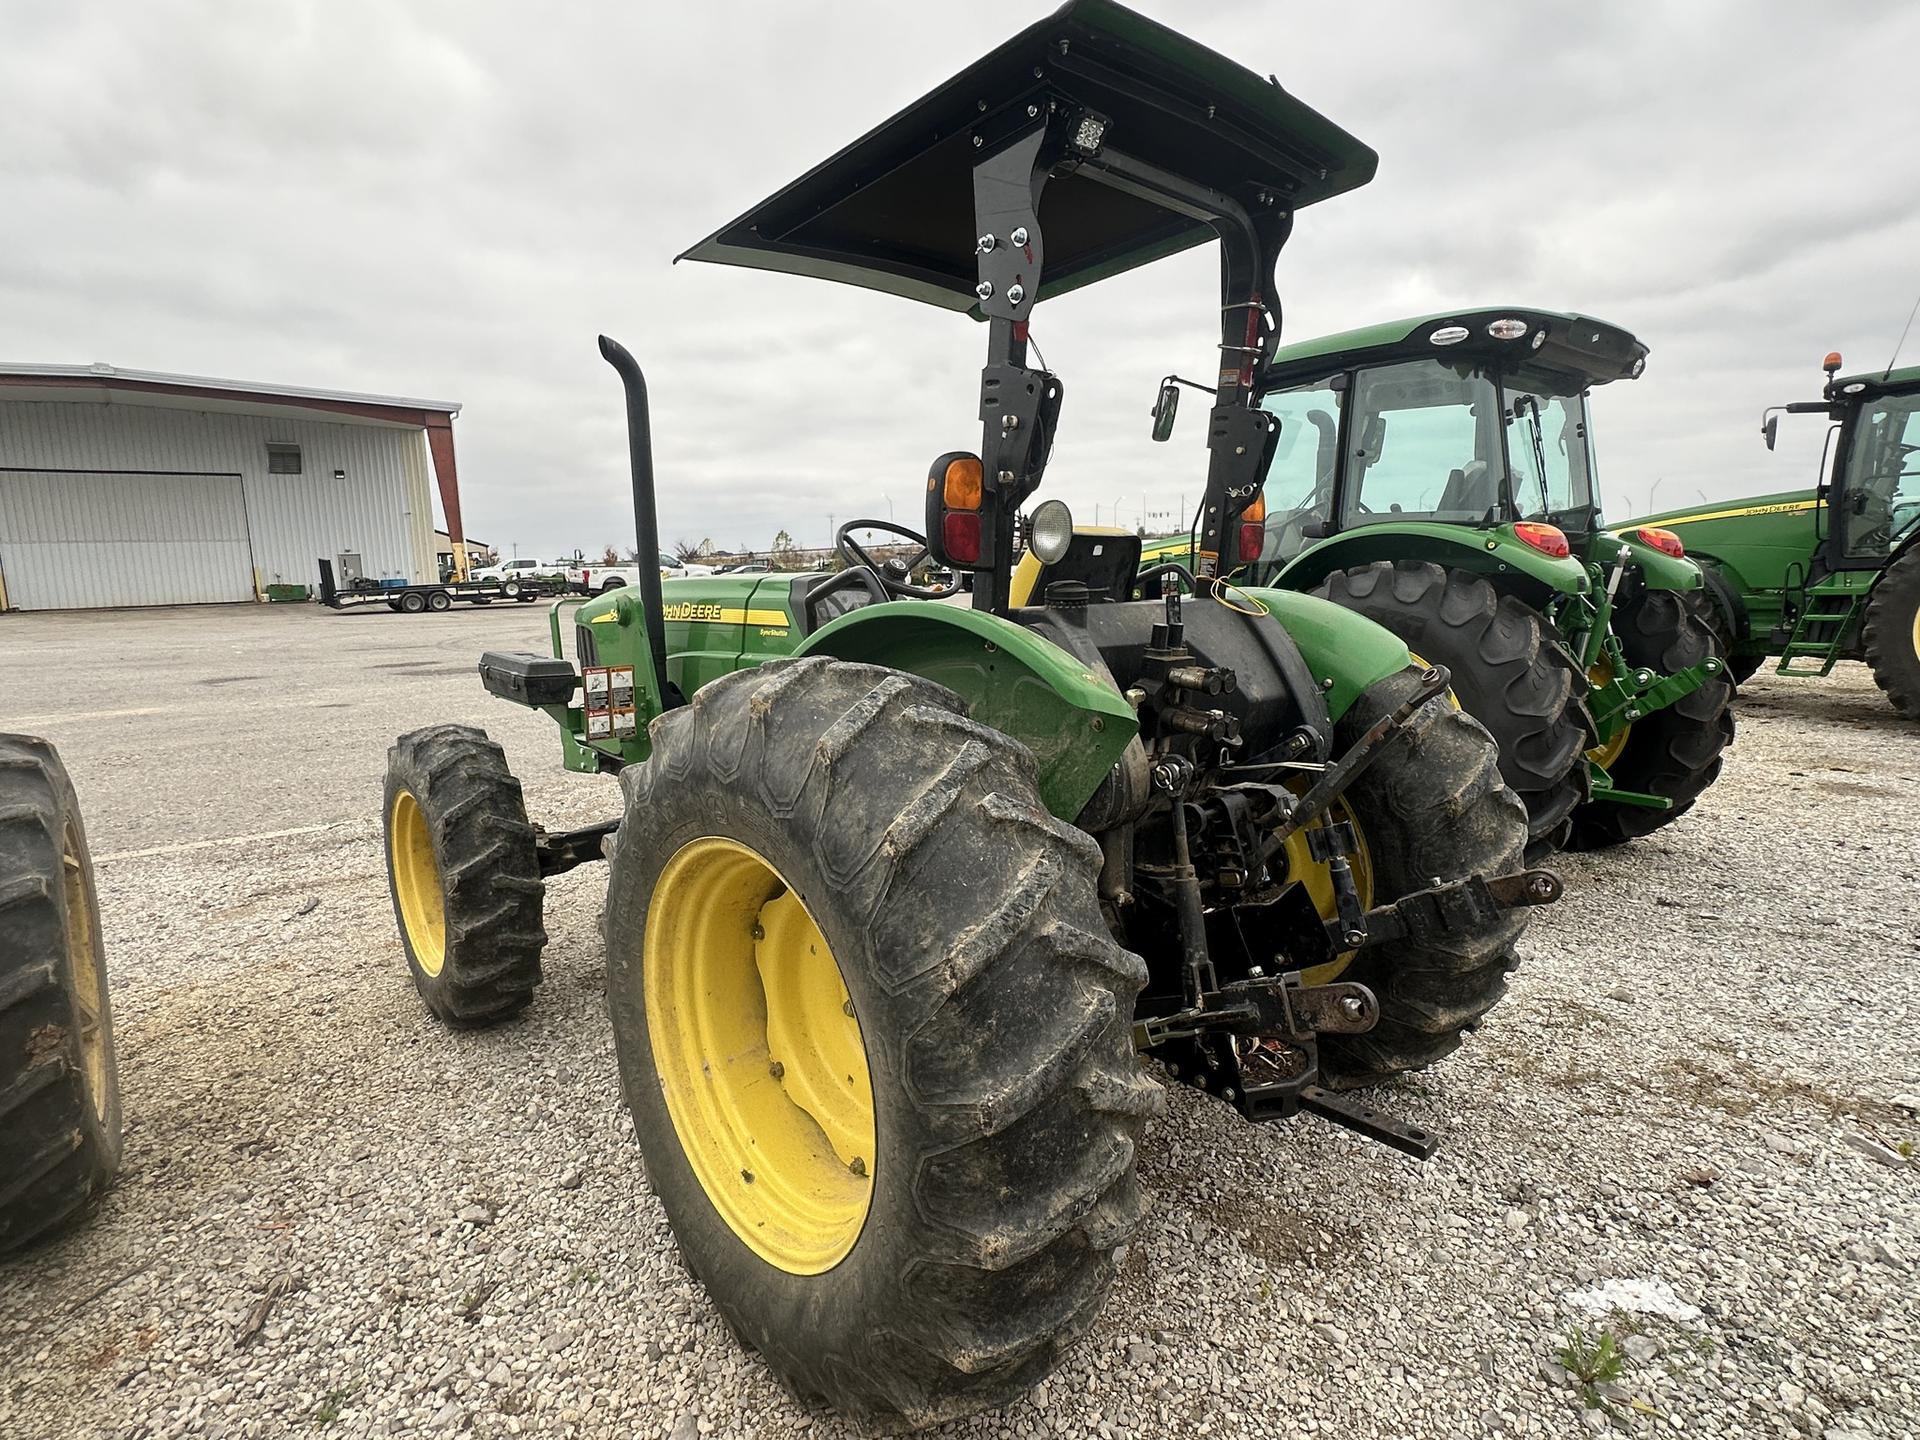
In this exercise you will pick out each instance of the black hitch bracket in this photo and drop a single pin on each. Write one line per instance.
(1460, 907)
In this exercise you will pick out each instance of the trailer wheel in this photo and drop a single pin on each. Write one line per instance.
(1510, 672)
(1431, 808)
(439, 600)
(394, 605)
(412, 602)
(511, 589)
(59, 1085)
(1892, 633)
(1673, 752)
(875, 1037)
(463, 873)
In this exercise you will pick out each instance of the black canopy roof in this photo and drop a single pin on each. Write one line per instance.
(894, 210)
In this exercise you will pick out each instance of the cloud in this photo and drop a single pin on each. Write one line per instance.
(452, 199)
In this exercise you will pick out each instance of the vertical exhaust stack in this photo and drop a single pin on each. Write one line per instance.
(646, 524)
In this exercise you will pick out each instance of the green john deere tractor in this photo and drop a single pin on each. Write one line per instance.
(1833, 573)
(59, 1087)
(1437, 476)
(903, 890)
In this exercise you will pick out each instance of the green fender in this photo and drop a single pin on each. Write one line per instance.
(1072, 719)
(1658, 570)
(1346, 651)
(1496, 553)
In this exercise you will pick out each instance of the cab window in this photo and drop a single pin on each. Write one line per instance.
(1423, 441)
(1881, 506)
(1299, 483)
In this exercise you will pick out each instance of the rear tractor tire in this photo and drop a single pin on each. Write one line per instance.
(1673, 752)
(875, 1037)
(1430, 809)
(1891, 633)
(59, 1086)
(1510, 672)
(463, 874)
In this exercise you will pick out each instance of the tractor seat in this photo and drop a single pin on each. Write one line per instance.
(818, 599)
(1469, 491)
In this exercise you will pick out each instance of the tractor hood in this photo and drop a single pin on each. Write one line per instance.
(894, 211)
(1590, 350)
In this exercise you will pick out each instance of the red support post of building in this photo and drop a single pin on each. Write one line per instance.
(440, 445)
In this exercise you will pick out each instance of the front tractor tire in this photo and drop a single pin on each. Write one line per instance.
(1510, 672)
(463, 873)
(1431, 809)
(1674, 753)
(59, 1086)
(1891, 634)
(875, 1037)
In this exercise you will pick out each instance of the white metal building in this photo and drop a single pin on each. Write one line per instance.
(123, 487)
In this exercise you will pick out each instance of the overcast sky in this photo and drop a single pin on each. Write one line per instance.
(450, 200)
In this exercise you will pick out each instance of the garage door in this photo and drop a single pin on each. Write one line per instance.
(70, 539)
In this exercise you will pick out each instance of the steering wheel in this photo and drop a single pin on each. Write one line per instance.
(893, 572)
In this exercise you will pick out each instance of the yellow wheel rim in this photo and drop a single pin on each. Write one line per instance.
(1317, 879)
(1610, 749)
(759, 1056)
(416, 882)
(1916, 632)
(84, 968)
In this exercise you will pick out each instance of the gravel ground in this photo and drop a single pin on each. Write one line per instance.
(336, 1217)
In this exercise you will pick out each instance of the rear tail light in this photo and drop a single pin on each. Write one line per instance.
(1549, 540)
(1253, 530)
(960, 536)
(956, 490)
(1663, 540)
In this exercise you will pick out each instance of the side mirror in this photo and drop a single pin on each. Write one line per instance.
(1770, 427)
(1164, 409)
(1315, 527)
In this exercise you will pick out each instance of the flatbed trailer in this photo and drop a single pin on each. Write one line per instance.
(415, 599)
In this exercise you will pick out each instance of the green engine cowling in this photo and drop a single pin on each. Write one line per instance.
(1070, 715)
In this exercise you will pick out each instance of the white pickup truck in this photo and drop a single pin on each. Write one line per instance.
(596, 579)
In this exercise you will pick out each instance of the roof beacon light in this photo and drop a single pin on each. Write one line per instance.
(1832, 362)
(1449, 335)
(1549, 540)
(1508, 329)
(1088, 131)
(1663, 540)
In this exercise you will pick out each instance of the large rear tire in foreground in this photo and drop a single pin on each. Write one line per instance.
(1673, 752)
(1891, 633)
(1510, 673)
(59, 1087)
(1430, 809)
(875, 1037)
(463, 874)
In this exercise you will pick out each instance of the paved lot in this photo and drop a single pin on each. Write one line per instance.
(451, 1233)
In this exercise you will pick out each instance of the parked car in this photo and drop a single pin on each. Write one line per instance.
(520, 568)
(597, 579)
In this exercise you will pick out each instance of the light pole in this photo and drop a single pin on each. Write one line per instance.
(889, 499)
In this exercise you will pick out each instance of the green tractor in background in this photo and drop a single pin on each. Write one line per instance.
(1437, 475)
(903, 890)
(1830, 574)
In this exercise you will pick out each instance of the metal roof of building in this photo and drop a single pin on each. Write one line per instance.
(113, 377)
